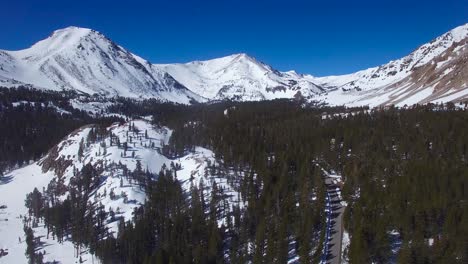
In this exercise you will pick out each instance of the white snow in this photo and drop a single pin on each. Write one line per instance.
(49, 104)
(84, 60)
(448, 70)
(430, 242)
(453, 95)
(239, 76)
(369, 87)
(195, 168)
(26, 179)
(417, 97)
(379, 76)
(94, 108)
(13, 192)
(345, 242)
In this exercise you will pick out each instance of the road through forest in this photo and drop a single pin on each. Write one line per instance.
(334, 224)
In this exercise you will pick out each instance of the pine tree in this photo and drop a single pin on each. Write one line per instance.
(81, 149)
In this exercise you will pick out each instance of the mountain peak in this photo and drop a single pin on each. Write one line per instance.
(71, 30)
(86, 60)
(459, 32)
(60, 40)
(69, 34)
(243, 57)
(228, 61)
(83, 59)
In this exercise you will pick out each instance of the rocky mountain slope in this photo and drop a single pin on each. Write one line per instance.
(435, 72)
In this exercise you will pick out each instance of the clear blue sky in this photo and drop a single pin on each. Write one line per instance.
(317, 37)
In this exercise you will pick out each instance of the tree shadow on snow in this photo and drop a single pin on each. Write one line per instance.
(5, 179)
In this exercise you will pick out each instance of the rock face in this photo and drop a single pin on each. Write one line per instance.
(436, 71)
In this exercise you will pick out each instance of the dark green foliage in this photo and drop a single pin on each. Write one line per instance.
(31, 244)
(404, 170)
(33, 125)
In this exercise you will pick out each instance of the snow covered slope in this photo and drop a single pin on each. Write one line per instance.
(59, 167)
(240, 77)
(12, 239)
(116, 192)
(85, 60)
(435, 72)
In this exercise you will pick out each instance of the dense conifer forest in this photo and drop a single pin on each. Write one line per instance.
(404, 169)
(33, 121)
(405, 172)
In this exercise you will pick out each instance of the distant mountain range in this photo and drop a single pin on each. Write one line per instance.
(86, 61)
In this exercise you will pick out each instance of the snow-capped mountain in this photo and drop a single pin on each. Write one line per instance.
(240, 77)
(86, 61)
(436, 71)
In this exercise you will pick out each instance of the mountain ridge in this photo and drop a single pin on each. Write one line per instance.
(240, 77)
(86, 60)
(402, 76)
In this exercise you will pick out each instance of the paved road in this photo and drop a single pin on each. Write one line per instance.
(335, 225)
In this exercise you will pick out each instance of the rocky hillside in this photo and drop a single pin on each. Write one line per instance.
(435, 72)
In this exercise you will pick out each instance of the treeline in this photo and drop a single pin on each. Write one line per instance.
(405, 170)
(163, 111)
(32, 121)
